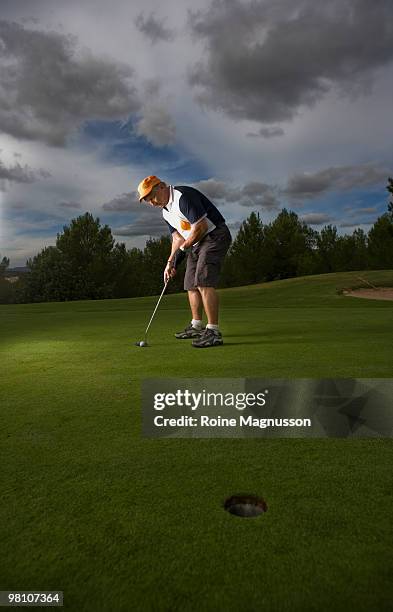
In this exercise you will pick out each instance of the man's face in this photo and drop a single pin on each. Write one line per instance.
(158, 196)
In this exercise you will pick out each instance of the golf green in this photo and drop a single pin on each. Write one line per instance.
(120, 522)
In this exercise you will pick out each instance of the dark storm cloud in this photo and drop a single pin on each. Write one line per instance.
(341, 178)
(267, 132)
(267, 201)
(70, 205)
(354, 224)
(125, 202)
(48, 88)
(370, 210)
(253, 194)
(265, 60)
(144, 226)
(147, 221)
(153, 28)
(259, 195)
(18, 206)
(213, 189)
(316, 218)
(20, 174)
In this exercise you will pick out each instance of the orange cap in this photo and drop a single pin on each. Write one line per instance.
(145, 186)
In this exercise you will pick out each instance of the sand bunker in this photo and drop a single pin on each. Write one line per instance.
(379, 293)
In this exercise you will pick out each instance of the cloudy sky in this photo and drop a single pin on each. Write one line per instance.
(261, 104)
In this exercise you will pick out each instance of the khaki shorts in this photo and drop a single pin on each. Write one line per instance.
(205, 259)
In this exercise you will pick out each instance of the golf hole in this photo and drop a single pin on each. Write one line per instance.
(245, 505)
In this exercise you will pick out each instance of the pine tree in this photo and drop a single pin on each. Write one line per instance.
(380, 237)
(244, 263)
(4, 263)
(288, 247)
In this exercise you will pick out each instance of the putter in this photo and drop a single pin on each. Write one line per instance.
(144, 342)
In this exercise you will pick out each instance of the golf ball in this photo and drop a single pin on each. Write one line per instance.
(142, 343)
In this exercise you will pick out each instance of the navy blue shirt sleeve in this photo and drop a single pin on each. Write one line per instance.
(171, 229)
(195, 205)
(192, 207)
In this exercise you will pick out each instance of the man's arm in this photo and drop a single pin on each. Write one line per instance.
(197, 232)
(177, 242)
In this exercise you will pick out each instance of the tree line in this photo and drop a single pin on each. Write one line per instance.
(87, 264)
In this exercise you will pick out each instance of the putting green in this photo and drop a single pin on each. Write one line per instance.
(119, 522)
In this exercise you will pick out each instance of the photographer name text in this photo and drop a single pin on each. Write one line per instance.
(241, 421)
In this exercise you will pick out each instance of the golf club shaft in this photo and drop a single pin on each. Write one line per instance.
(158, 303)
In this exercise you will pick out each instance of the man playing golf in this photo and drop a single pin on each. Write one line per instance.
(197, 228)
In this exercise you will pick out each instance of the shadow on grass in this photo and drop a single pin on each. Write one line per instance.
(251, 335)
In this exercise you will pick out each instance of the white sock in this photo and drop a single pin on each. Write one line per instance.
(196, 323)
(214, 327)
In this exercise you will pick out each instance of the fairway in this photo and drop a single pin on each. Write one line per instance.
(119, 522)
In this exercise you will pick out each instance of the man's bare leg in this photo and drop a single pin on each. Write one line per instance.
(210, 304)
(195, 299)
(195, 329)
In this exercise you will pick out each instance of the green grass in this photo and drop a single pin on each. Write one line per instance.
(119, 522)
